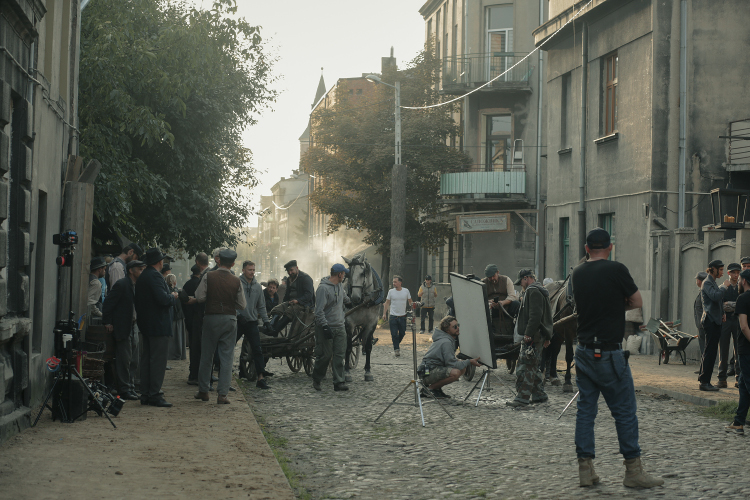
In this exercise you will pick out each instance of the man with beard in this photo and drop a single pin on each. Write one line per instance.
(116, 269)
(500, 292)
(299, 290)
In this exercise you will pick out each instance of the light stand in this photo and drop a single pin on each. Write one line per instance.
(484, 379)
(415, 380)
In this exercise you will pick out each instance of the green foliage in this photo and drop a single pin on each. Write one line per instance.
(165, 93)
(724, 410)
(353, 153)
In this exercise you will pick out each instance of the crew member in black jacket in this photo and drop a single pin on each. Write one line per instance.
(119, 318)
(154, 305)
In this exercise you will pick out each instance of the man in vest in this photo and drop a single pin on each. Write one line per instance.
(222, 293)
(500, 292)
(427, 294)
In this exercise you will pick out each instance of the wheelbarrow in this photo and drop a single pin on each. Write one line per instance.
(670, 339)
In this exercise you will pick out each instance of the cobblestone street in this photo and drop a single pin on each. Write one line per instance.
(490, 451)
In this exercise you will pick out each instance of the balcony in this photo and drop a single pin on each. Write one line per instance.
(738, 142)
(511, 181)
(461, 74)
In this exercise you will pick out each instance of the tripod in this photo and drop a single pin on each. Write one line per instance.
(416, 382)
(484, 379)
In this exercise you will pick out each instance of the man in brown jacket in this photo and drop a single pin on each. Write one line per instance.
(223, 295)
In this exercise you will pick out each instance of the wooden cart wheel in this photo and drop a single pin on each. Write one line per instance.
(469, 373)
(247, 364)
(354, 356)
(511, 364)
(294, 362)
(308, 363)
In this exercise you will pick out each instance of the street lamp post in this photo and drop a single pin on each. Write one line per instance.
(398, 189)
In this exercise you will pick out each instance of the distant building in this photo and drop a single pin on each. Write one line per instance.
(494, 204)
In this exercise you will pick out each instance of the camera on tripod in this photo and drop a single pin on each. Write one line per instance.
(65, 240)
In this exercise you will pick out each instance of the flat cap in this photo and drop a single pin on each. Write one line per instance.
(291, 263)
(135, 263)
(745, 260)
(228, 255)
(597, 238)
(490, 270)
(716, 263)
(195, 269)
(166, 267)
(701, 275)
(734, 267)
(522, 274)
(746, 275)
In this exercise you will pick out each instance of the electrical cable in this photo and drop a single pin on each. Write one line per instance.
(509, 69)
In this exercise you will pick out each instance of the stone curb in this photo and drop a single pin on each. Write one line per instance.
(680, 396)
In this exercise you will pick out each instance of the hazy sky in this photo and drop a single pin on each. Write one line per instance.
(345, 37)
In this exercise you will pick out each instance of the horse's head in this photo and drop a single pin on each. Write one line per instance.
(359, 271)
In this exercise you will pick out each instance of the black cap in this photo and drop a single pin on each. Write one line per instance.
(136, 249)
(734, 267)
(291, 263)
(717, 263)
(522, 274)
(598, 239)
(195, 269)
(97, 263)
(701, 275)
(428, 277)
(135, 263)
(154, 255)
(746, 275)
(166, 267)
(227, 255)
(745, 260)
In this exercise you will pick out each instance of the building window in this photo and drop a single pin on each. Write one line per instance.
(607, 222)
(565, 98)
(564, 246)
(499, 40)
(610, 94)
(498, 142)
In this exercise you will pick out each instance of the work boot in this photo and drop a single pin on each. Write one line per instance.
(341, 386)
(635, 477)
(397, 352)
(722, 384)
(586, 473)
(316, 385)
(203, 396)
(222, 400)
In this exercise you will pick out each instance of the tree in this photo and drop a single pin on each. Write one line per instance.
(353, 153)
(165, 93)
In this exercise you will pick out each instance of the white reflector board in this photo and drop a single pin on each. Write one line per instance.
(473, 314)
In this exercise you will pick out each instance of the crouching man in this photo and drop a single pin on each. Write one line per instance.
(440, 365)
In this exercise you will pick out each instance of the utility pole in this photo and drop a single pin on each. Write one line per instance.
(398, 196)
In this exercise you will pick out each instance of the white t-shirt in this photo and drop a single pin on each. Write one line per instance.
(398, 301)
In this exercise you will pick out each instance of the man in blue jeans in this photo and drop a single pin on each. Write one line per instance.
(603, 291)
(396, 302)
(742, 309)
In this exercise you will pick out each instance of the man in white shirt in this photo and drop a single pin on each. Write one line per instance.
(396, 302)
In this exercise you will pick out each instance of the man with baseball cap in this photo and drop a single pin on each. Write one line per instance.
(119, 318)
(742, 309)
(330, 334)
(698, 312)
(731, 327)
(154, 306)
(712, 298)
(534, 322)
(604, 290)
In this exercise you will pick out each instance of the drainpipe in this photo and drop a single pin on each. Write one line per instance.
(537, 253)
(683, 114)
(582, 176)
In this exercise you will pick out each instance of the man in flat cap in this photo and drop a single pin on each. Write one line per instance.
(745, 263)
(222, 293)
(330, 334)
(154, 306)
(731, 327)
(712, 298)
(535, 324)
(119, 318)
(96, 271)
(698, 312)
(500, 293)
(743, 353)
(299, 290)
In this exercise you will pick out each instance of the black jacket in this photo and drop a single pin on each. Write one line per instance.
(271, 302)
(301, 289)
(154, 304)
(118, 308)
(189, 289)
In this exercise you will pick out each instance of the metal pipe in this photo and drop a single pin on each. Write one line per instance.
(582, 173)
(683, 114)
(537, 252)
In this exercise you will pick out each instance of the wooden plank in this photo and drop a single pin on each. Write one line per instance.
(90, 172)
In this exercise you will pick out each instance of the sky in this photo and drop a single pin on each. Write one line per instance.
(344, 37)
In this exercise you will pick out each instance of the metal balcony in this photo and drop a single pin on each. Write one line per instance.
(462, 73)
(511, 181)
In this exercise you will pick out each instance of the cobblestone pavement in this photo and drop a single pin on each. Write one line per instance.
(489, 451)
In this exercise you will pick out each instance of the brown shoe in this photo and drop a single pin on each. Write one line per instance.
(721, 384)
(222, 400)
(203, 396)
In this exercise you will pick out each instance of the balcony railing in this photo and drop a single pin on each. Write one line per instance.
(463, 73)
(511, 181)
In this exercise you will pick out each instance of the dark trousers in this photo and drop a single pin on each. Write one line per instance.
(701, 340)
(430, 313)
(126, 363)
(713, 335)
(153, 365)
(398, 330)
(729, 331)
(744, 383)
(251, 344)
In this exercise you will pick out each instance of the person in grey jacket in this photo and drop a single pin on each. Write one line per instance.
(712, 298)
(330, 334)
(440, 365)
(698, 312)
(247, 322)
